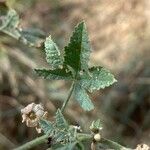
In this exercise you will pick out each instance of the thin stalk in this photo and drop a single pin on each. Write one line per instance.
(112, 144)
(68, 98)
(84, 137)
(33, 143)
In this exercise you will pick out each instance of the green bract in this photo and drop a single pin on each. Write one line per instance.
(60, 131)
(74, 66)
(96, 126)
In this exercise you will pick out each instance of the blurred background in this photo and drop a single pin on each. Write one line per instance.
(119, 32)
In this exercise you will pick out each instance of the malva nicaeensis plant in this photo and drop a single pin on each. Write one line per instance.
(70, 66)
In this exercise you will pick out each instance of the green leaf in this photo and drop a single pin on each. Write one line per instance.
(99, 78)
(10, 24)
(78, 50)
(82, 97)
(46, 126)
(75, 66)
(57, 74)
(53, 55)
(61, 123)
(32, 36)
(62, 136)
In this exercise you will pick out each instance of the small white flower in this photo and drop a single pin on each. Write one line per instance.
(31, 115)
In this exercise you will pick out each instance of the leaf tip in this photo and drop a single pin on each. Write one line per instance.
(82, 24)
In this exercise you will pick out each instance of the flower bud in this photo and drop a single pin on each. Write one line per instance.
(97, 137)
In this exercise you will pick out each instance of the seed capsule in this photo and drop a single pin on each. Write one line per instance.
(97, 137)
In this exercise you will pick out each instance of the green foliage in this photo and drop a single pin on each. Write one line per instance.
(59, 131)
(60, 120)
(9, 25)
(75, 66)
(99, 78)
(57, 74)
(63, 133)
(78, 50)
(53, 55)
(83, 98)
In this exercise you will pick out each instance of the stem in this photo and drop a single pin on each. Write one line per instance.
(84, 137)
(68, 98)
(80, 137)
(110, 144)
(33, 143)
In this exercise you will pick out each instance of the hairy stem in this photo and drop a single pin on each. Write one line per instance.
(80, 136)
(112, 144)
(33, 143)
(68, 98)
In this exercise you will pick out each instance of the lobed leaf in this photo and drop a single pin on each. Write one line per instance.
(82, 97)
(53, 55)
(78, 50)
(99, 78)
(76, 61)
(57, 74)
(10, 23)
(61, 123)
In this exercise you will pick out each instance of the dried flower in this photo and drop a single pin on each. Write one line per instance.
(142, 147)
(31, 115)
